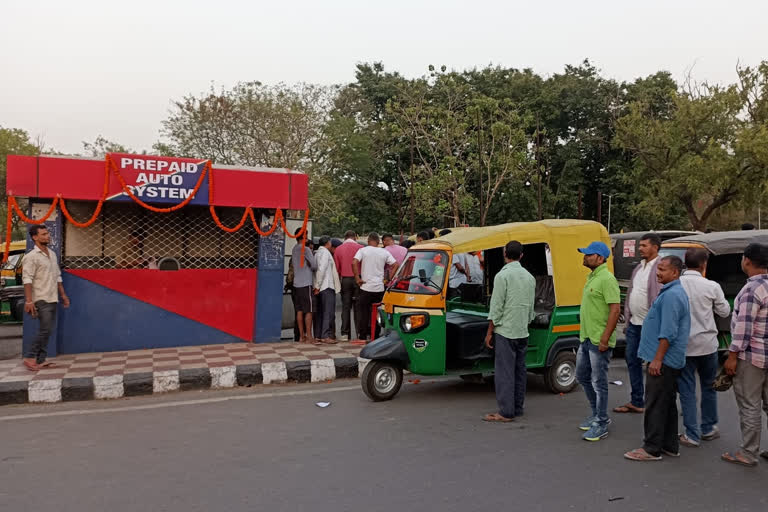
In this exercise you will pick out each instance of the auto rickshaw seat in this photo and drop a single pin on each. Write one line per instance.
(544, 301)
(465, 336)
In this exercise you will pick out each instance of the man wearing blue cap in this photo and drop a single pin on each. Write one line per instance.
(600, 308)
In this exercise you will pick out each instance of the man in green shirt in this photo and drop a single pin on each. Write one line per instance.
(514, 290)
(599, 315)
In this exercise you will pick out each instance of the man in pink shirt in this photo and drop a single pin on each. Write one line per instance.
(397, 251)
(343, 257)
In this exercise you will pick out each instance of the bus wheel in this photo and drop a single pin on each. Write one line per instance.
(381, 380)
(561, 376)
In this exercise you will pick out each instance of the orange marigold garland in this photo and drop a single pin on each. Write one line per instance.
(109, 165)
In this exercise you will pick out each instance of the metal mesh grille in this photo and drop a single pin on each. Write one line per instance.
(129, 236)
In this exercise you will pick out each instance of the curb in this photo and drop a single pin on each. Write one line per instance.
(148, 383)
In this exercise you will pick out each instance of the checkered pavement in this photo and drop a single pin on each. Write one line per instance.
(117, 374)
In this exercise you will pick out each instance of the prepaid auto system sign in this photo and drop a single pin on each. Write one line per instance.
(155, 179)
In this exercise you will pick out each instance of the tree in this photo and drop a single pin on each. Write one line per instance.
(13, 141)
(101, 146)
(256, 125)
(467, 145)
(705, 153)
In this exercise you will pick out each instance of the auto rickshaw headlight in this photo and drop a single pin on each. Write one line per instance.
(413, 323)
(381, 319)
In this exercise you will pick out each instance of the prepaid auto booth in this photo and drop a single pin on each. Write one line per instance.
(158, 251)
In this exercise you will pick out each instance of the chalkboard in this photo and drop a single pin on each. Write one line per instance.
(271, 247)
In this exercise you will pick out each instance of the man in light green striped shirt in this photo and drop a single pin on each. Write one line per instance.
(514, 291)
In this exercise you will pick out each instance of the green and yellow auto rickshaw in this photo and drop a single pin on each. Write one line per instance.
(428, 335)
(725, 249)
(11, 287)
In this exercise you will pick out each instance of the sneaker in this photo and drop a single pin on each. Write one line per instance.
(587, 423)
(345, 338)
(687, 441)
(596, 432)
(712, 434)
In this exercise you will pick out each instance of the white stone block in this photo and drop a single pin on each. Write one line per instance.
(274, 372)
(108, 386)
(223, 377)
(167, 380)
(322, 370)
(45, 390)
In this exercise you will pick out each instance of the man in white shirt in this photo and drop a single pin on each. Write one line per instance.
(369, 265)
(473, 288)
(643, 290)
(704, 297)
(42, 288)
(326, 285)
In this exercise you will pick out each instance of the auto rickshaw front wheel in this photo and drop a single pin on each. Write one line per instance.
(561, 376)
(381, 380)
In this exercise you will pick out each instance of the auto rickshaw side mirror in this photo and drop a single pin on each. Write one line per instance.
(423, 275)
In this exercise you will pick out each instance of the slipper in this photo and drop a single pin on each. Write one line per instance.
(357, 342)
(738, 458)
(329, 341)
(47, 364)
(629, 408)
(497, 417)
(670, 453)
(640, 454)
(31, 366)
(764, 454)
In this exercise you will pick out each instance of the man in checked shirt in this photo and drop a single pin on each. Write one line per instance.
(748, 356)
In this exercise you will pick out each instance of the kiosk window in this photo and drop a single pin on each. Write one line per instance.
(129, 236)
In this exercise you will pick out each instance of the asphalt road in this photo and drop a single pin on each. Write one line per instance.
(272, 448)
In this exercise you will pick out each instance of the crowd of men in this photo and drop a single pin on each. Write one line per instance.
(670, 332)
(359, 273)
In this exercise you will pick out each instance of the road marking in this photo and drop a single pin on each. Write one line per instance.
(178, 403)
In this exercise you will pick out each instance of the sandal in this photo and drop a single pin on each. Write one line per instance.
(497, 417)
(47, 364)
(33, 367)
(764, 454)
(738, 458)
(628, 407)
(640, 454)
(330, 341)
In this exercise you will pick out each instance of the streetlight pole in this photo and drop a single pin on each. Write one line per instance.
(610, 196)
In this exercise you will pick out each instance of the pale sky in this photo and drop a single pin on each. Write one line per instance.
(71, 70)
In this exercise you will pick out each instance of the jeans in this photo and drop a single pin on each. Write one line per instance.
(634, 365)
(510, 374)
(327, 311)
(706, 367)
(349, 291)
(660, 418)
(46, 314)
(750, 385)
(365, 302)
(592, 374)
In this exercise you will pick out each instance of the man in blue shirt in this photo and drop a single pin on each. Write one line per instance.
(663, 343)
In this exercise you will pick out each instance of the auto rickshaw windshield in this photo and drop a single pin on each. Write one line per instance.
(13, 259)
(422, 272)
(673, 251)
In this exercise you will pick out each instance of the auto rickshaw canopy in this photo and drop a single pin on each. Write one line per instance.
(722, 242)
(17, 246)
(564, 237)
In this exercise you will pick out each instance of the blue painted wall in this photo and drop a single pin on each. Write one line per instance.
(269, 293)
(103, 320)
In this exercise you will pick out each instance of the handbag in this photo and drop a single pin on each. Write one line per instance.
(723, 381)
